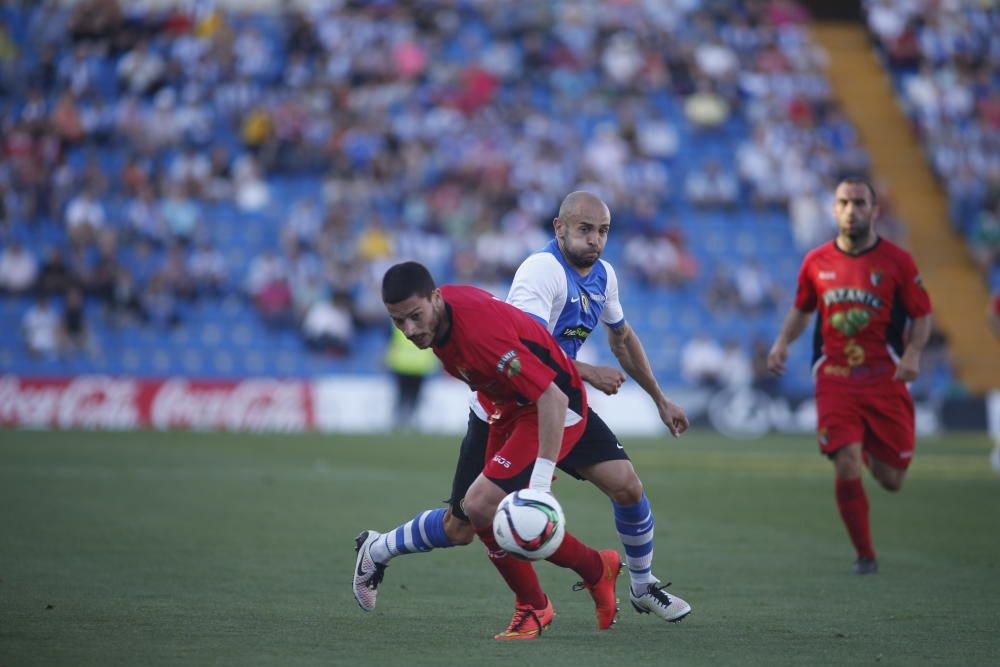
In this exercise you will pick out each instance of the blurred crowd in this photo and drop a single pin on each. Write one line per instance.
(445, 131)
(946, 58)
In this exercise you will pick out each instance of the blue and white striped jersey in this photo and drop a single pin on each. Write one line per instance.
(569, 305)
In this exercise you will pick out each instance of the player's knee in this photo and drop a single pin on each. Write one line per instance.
(479, 510)
(891, 483)
(629, 492)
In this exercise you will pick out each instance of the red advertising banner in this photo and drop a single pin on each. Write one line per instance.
(101, 402)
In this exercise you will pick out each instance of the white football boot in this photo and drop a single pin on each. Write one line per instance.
(367, 573)
(654, 600)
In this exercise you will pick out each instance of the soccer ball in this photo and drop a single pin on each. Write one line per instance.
(529, 524)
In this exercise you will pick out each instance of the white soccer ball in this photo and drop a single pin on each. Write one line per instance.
(529, 524)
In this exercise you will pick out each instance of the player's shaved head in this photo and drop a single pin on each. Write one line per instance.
(404, 280)
(582, 229)
(583, 203)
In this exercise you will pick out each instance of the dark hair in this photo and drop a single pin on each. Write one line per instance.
(404, 280)
(861, 180)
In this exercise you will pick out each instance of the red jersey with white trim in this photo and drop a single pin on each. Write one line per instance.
(505, 354)
(864, 301)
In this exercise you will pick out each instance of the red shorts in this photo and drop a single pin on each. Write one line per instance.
(513, 445)
(880, 417)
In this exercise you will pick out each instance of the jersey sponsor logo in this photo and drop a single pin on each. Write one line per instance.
(827, 275)
(851, 295)
(875, 277)
(502, 461)
(580, 332)
(850, 322)
(509, 364)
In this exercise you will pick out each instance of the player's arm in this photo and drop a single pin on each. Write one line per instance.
(604, 378)
(551, 405)
(909, 365)
(627, 348)
(795, 323)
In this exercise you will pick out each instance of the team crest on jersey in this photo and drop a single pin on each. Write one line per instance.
(876, 278)
(584, 301)
(509, 364)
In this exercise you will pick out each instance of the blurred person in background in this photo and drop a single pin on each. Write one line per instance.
(18, 269)
(410, 366)
(865, 288)
(40, 326)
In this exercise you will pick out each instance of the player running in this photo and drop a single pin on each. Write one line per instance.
(568, 289)
(865, 288)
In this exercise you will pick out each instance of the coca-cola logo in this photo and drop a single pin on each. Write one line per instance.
(92, 401)
(254, 405)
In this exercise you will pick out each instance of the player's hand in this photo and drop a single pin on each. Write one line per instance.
(776, 359)
(606, 379)
(673, 416)
(908, 368)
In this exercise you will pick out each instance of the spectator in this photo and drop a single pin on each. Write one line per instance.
(754, 287)
(18, 269)
(54, 277)
(208, 270)
(84, 216)
(74, 334)
(328, 326)
(703, 362)
(41, 329)
(712, 187)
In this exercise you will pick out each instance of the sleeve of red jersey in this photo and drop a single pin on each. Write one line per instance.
(805, 292)
(911, 290)
(514, 364)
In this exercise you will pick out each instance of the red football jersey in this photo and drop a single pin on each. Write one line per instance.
(864, 301)
(504, 353)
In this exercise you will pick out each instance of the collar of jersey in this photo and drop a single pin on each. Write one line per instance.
(878, 240)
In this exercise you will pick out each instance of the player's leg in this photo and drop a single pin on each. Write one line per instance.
(840, 432)
(601, 459)
(508, 468)
(430, 529)
(890, 434)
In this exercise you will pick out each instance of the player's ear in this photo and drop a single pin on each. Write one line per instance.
(556, 224)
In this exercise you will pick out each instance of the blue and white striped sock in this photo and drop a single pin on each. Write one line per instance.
(422, 533)
(635, 528)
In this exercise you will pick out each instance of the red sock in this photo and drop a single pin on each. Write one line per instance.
(853, 505)
(519, 574)
(580, 558)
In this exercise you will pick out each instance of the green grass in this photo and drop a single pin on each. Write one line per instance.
(151, 548)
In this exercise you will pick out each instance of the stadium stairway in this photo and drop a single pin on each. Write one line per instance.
(958, 292)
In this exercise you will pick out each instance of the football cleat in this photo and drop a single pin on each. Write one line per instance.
(603, 590)
(367, 573)
(654, 600)
(528, 622)
(865, 566)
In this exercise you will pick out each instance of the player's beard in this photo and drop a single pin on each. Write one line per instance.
(860, 231)
(583, 260)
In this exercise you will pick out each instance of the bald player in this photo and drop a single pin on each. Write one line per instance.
(569, 289)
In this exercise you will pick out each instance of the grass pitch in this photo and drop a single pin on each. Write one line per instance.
(171, 548)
